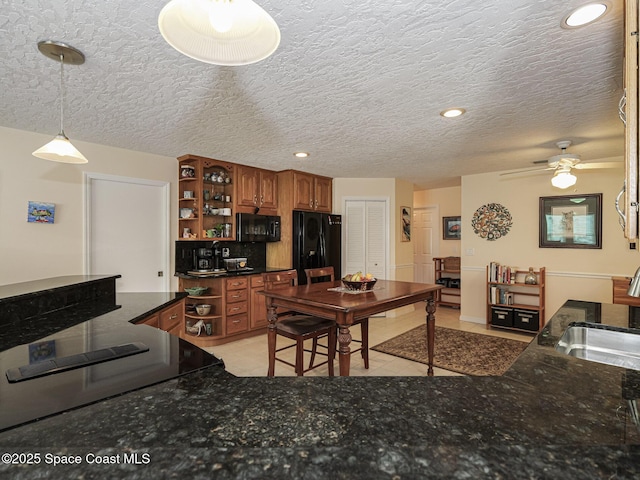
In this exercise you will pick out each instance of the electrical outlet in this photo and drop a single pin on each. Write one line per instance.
(469, 252)
(225, 253)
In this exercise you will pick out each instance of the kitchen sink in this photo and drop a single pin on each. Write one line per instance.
(603, 344)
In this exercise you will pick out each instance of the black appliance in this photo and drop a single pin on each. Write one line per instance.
(257, 228)
(317, 242)
(203, 259)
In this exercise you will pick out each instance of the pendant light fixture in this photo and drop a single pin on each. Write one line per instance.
(60, 148)
(221, 32)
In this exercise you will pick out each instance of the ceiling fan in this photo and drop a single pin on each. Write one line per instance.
(562, 165)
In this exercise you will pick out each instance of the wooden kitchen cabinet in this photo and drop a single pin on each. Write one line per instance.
(238, 311)
(257, 305)
(257, 188)
(206, 192)
(311, 192)
(296, 191)
(620, 287)
(169, 319)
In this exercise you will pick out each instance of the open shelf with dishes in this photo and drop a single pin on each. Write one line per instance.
(205, 198)
(206, 328)
(447, 274)
(515, 298)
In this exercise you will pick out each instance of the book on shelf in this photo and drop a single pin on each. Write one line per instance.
(500, 295)
(501, 273)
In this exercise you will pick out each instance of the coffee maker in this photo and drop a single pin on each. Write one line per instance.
(203, 259)
(208, 259)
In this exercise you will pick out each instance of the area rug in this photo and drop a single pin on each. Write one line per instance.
(456, 350)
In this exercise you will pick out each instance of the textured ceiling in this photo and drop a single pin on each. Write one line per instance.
(359, 84)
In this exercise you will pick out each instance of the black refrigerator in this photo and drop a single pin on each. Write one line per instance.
(317, 242)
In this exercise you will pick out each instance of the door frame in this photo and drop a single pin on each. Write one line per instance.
(89, 177)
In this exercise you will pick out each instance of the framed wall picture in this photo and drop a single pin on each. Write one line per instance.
(406, 223)
(571, 221)
(41, 212)
(451, 228)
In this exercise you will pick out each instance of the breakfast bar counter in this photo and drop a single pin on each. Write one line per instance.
(550, 416)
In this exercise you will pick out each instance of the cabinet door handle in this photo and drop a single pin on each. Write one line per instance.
(235, 309)
(175, 315)
(255, 199)
(235, 321)
(261, 199)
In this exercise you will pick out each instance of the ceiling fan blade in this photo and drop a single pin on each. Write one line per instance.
(516, 172)
(583, 166)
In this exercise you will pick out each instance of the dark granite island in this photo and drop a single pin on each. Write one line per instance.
(550, 416)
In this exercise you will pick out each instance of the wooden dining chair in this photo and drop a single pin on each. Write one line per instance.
(327, 274)
(300, 327)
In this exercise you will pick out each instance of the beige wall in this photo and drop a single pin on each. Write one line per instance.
(30, 251)
(580, 274)
(399, 194)
(448, 203)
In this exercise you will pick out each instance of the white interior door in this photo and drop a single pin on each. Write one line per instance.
(127, 231)
(366, 226)
(425, 229)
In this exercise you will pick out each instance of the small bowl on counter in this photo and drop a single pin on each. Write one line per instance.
(195, 291)
(203, 309)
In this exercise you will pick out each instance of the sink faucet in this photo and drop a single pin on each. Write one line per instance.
(634, 286)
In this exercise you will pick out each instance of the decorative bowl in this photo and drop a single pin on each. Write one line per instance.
(359, 286)
(203, 309)
(195, 291)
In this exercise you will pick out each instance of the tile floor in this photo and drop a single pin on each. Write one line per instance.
(248, 357)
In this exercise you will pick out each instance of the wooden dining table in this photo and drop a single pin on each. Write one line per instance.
(329, 300)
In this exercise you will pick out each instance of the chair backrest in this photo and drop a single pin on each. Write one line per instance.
(317, 273)
(274, 280)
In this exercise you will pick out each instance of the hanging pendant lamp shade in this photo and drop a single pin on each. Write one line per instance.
(60, 148)
(221, 32)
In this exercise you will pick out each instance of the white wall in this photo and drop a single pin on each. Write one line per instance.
(30, 251)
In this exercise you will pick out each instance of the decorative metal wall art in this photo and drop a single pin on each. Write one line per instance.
(491, 221)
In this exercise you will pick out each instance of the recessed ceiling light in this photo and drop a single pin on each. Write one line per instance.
(452, 112)
(585, 14)
(301, 154)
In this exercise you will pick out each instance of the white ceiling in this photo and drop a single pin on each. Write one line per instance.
(358, 83)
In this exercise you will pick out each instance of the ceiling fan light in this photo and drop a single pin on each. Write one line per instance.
(563, 179)
(220, 32)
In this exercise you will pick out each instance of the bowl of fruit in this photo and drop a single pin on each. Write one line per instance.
(359, 281)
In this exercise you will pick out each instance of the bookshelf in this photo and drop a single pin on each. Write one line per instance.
(512, 303)
(447, 274)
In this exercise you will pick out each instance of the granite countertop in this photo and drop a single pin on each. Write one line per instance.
(549, 416)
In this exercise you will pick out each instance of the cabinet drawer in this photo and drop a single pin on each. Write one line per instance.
(172, 316)
(153, 321)
(237, 283)
(237, 323)
(236, 296)
(502, 317)
(526, 319)
(236, 308)
(257, 281)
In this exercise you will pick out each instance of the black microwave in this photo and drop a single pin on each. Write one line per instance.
(257, 228)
